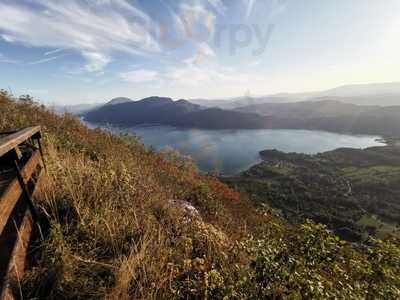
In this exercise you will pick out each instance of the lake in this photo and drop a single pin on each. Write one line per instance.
(229, 152)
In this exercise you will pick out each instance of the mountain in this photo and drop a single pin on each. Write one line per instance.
(370, 91)
(181, 113)
(240, 101)
(76, 109)
(118, 100)
(306, 109)
(355, 90)
(80, 109)
(330, 115)
(216, 118)
(384, 94)
(378, 100)
(381, 94)
(151, 110)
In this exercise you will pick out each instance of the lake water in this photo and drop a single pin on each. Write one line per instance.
(229, 152)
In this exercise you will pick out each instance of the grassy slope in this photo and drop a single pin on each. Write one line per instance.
(113, 229)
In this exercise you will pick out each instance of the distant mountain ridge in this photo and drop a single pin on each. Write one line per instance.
(329, 115)
(118, 100)
(354, 90)
(383, 94)
(181, 113)
(75, 109)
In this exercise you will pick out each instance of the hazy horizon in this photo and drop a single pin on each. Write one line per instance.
(76, 52)
(357, 90)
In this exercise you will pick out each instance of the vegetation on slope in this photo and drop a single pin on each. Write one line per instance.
(121, 221)
(355, 192)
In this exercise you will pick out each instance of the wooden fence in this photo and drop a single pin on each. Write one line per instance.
(21, 171)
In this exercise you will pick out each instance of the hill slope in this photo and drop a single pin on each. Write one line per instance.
(181, 113)
(340, 188)
(120, 221)
(331, 115)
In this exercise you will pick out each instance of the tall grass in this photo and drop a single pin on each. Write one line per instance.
(114, 228)
(118, 225)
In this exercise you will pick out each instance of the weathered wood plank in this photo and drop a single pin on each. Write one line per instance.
(9, 142)
(16, 210)
(14, 191)
(16, 266)
(7, 295)
(39, 182)
(6, 177)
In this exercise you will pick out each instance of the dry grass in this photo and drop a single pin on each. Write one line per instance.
(116, 226)
(112, 230)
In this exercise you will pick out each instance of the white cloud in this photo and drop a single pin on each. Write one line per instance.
(96, 29)
(96, 61)
(203, 54)
(198, 22)
(190, 75)
(140, 76)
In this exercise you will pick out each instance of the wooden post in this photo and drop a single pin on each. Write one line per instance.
(17, 211)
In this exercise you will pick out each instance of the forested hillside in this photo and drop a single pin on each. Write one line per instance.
(355, 192)
(121, 221)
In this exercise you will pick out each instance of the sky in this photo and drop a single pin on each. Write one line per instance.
(90, 51)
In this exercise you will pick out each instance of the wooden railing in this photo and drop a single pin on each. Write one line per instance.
(22, 169)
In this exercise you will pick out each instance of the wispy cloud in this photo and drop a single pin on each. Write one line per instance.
(44, 60)
(7, 60)
(278, 7)
(218, 5)
(53, 52)
(96, 29)
(189, 75)
(249, 4)
(274, 7)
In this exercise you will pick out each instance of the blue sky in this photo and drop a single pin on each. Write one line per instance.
(85, 51)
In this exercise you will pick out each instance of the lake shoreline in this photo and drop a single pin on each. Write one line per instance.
(229, 152)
